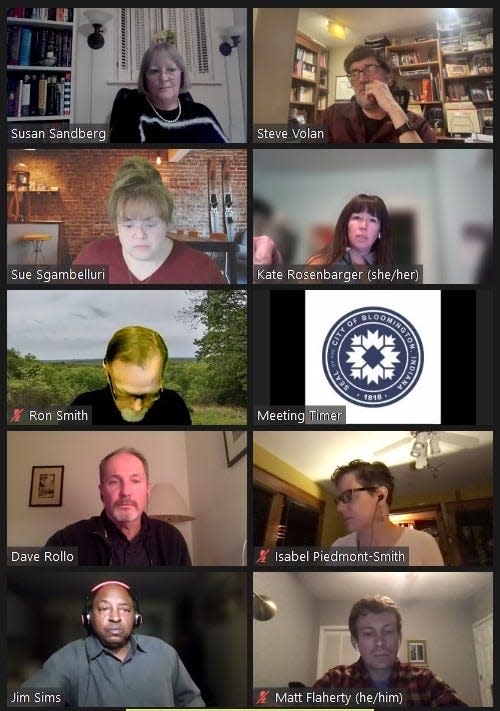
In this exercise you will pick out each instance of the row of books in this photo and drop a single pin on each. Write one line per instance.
(39, 95)
(304, 69)
(407, 58)
(304, 94)
(56, 14)
(305, 55)
(30, 46)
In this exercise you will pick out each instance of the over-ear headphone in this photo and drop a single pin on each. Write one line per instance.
(87, 607)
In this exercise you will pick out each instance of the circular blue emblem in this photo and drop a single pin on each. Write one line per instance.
(373, 357)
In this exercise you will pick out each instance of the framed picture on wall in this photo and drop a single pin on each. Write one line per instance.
(417, 652)
(46, 485)
(235, 442)
(343, 88)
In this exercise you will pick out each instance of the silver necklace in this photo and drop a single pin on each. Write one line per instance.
(161, 117)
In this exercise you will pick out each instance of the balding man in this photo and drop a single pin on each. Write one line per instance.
(134, 364)
(123, 534)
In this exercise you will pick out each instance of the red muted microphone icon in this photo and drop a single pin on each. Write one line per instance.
(262, 557)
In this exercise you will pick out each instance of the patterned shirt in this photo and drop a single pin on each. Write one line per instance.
(421, 686)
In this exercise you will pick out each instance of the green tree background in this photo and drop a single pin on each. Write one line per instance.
(214, 385)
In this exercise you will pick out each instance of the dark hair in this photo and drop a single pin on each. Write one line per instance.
(382, 248)
(375, 604)
(368, 474)
(360, 52)
(262, 208)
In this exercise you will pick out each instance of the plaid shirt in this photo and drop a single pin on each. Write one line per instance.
(421, 686)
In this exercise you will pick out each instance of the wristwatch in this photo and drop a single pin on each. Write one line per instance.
(406, 126)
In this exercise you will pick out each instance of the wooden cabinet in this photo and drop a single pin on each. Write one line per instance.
(454, 66)
(309, 82)
(463, 529)
(284, 515)
(40, 66)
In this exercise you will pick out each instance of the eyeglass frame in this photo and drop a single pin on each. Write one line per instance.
(132, 397)
(340, 499)
(170, 71)
(372, 71)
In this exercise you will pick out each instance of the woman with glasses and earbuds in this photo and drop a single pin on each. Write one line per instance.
(140, 206)
(161, 109)
(364, 495)
(361, 236)
(374, 114)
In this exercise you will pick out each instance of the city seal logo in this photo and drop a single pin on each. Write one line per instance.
(373, 357)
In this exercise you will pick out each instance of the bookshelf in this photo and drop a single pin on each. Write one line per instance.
(454, 65)
(309, 81)
(40, 66)
(466, 51)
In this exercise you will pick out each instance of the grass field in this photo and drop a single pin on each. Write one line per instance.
(223, 416)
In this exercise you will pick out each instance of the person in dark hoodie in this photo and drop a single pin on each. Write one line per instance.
(123, 534)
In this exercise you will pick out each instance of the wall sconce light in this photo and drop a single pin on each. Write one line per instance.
(97, 19)
(225, 48)
(158, 158)
(336, 30)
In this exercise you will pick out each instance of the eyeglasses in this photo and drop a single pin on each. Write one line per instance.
(156, 71)
(148, 226)
(346, 496)
(121, 396)
(369, 71)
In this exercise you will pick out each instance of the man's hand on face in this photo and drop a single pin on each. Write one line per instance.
(379, 93)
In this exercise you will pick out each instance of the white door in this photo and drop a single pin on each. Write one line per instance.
(334, 647)
(483, 644)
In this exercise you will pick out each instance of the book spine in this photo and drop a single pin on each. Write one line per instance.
(15, 41)
(19, 96)
(25, 47)
(11, 96)
(34, 96)
(25, 97)
(42, 95)
(42, 44)
(67, 94)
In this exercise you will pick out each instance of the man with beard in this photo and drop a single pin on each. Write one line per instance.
(115, 666)
(134, 364)
(123, 534)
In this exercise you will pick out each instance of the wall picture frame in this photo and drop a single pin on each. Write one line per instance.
(235, 443)
(417, 652)
(343, 88)
(46, 485)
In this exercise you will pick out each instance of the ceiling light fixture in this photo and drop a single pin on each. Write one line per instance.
(335, 29)
(420, 444)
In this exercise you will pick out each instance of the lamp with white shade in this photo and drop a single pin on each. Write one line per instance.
(166, 504)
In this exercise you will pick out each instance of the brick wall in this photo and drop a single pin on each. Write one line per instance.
(84, 178)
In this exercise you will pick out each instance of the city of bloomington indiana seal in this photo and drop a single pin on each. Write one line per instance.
(373, 356)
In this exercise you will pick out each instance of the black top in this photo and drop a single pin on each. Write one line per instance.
(169, 409)
(133, 120)
(99, 543)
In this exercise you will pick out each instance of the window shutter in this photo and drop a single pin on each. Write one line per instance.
(137, 26)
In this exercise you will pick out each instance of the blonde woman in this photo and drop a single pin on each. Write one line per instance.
(141, 207)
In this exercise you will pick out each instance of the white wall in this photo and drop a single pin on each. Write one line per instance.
(218, 495)
(95, 87)
(284, 646)
(194, 462)
(444, 189)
